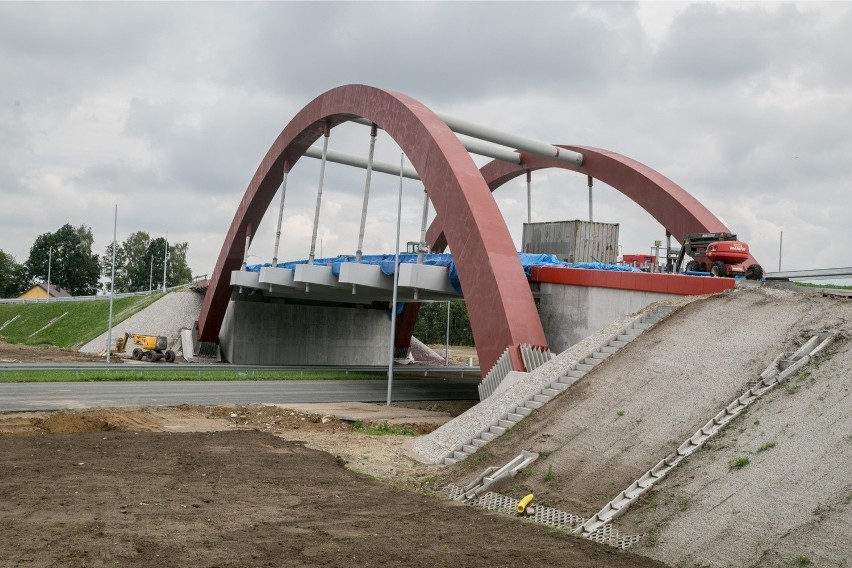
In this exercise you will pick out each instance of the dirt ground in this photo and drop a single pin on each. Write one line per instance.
(14, 353)
(459, 355)
(243, 486)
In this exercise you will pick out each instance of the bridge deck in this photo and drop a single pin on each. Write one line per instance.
(339, 284)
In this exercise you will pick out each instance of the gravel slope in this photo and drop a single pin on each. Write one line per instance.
(791, 504)
(632, 410)
(167, 316)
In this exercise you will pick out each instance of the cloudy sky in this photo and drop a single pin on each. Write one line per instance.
(166, 109)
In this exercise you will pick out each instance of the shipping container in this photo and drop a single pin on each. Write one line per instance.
(573, 241)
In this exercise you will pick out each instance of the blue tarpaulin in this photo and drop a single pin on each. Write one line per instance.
(386, 262)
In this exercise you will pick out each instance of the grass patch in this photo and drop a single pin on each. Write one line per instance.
(829, 286)
(548, 476)
(802, 560)
(766, 446)
(652, 538)
(525, 473)
(383, 429)
(620, 413)
(185, 374)
(739, 463)
(653, 501)
(74, 323)
(792, 389)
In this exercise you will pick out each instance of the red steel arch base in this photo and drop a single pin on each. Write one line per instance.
(500, 304)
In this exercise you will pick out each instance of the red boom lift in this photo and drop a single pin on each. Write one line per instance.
(718, 253)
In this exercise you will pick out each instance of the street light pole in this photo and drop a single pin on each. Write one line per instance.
(111, 288)
(49, 262)
(395, 285)
(447, 344)
(165, 261)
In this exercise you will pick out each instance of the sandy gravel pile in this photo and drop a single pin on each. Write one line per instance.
(167, 316)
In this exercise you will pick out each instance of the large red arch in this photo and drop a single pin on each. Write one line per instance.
(500, 303)
(671, 205)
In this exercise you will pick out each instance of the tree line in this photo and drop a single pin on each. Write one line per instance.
(65, 257)
(431, 327)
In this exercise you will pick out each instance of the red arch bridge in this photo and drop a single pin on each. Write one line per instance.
(497, 291)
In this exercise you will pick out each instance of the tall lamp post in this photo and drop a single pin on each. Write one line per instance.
(111, 289)
(49, 262)
(395, 285)
(165, 261)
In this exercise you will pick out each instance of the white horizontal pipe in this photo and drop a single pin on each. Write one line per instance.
(460, 126)
(478, 147)
(502, 139)
(359, 162)
(475, 146)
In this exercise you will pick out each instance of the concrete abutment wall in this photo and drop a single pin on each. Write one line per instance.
(265, 333)
(569, 314)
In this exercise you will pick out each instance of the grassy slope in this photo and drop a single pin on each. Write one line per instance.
(79, 322)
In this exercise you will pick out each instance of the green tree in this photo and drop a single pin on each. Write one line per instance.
(431, 324)
(12, 276)
(139, 263)
(67, 255)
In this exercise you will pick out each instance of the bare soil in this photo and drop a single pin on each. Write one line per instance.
(15, 353)
(460, 355)
(242, 486)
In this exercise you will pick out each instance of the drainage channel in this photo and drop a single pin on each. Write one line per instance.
(547, 516)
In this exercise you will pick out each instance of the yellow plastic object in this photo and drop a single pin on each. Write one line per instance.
(523, 503)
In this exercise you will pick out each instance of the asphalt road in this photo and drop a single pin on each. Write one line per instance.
(18, 397)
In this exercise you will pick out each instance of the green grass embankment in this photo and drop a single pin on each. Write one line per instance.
(65, 324)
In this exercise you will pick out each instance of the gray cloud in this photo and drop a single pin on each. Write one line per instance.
(744, 105)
